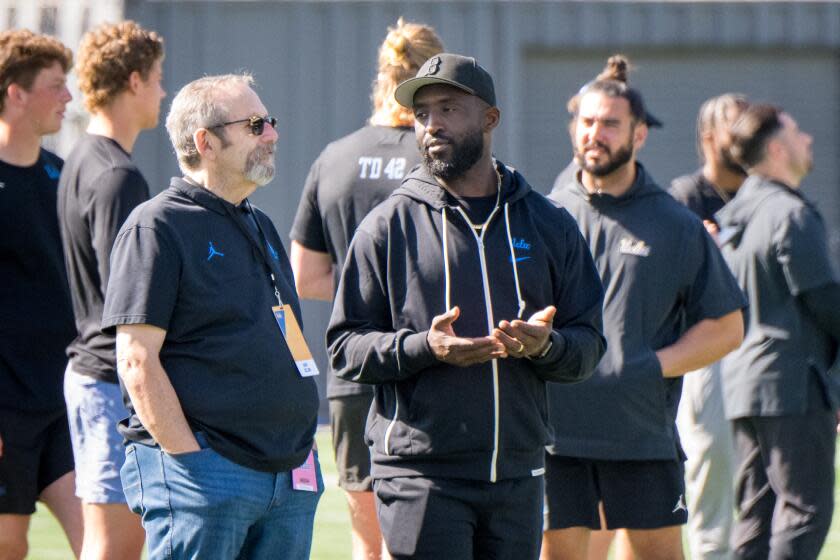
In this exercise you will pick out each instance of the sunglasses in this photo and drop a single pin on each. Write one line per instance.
(255, 123)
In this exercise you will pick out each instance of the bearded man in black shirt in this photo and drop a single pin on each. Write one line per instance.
(223, 407)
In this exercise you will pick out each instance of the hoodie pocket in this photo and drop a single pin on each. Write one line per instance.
(451, 411)
(645, 396)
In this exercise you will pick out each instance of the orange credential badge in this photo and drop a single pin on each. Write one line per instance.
(294, 340)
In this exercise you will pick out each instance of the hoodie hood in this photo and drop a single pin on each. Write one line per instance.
(734, 217)
(643, 186)
(420, 185)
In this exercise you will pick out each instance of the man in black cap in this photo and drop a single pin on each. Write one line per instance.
(462, 295)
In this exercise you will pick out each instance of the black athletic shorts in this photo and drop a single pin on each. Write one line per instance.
(36, 453)
(635, 494)
(348, 416)
(452, 519)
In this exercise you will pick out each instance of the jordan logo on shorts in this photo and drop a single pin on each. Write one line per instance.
(680, 505)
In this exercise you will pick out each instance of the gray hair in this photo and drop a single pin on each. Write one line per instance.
(201, 103)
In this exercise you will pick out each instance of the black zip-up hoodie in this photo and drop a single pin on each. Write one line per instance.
(415, 256)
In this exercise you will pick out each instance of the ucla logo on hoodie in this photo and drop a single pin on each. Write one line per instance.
(630, 246)
(521, 246)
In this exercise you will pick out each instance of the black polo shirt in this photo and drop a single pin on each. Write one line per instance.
(189, 262)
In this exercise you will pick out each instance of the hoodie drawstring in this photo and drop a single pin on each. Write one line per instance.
(445, 262)
(515, 267)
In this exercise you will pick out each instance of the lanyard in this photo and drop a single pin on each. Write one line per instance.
(261, 248)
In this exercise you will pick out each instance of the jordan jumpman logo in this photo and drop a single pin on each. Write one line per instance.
(213, 252)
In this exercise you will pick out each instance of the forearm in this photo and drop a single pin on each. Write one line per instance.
(319, 287)
(374, 357)
(157, 405)
(705, 343)
(313, 270)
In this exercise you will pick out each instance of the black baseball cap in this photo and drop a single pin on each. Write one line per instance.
(462, 72)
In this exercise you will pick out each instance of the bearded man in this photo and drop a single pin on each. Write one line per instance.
(463, 294)
(671, 306)
(222, 406)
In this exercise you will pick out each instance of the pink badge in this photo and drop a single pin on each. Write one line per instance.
(305, 477)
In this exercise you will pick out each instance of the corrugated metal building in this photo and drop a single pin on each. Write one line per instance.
(314, 62)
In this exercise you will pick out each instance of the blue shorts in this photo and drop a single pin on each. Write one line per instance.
(94, 408)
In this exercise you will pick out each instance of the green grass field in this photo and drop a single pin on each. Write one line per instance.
(332, 537)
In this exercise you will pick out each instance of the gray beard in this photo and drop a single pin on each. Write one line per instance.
(259, 168)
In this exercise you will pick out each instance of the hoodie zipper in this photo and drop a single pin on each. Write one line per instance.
(488, 304)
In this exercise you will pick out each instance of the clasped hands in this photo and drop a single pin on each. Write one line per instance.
(514, 339)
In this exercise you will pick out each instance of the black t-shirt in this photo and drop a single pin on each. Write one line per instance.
(699, 195)
(99, 187)
(350, 177)
(187, 262)
(477, 208)
(36, 318)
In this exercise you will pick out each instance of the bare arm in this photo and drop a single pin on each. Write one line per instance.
(706, 342)
(148, 386)
(313, 272)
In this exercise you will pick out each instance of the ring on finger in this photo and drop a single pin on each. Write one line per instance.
(521, 347)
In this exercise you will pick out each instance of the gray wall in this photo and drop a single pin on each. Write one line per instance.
(314, 63)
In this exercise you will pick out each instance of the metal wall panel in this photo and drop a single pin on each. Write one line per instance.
(315, 61)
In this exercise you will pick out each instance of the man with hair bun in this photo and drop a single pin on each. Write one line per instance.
(671, 306)
(705, 433)
(119, 69)
(36, 316)
(777, 390)
(351, 176)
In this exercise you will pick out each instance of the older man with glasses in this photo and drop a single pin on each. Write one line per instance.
(218, 379)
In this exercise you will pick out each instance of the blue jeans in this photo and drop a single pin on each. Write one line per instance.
(201, 505)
